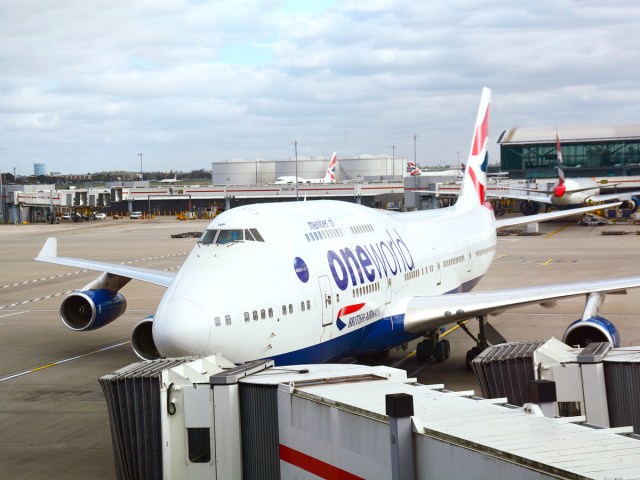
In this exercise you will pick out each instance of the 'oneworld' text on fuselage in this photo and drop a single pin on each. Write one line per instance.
(370, 262)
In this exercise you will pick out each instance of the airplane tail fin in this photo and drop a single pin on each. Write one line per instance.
(413, 169)
(474, 183)
(560, 188)
(330, 176)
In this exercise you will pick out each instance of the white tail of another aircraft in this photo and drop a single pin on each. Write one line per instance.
(330, 176)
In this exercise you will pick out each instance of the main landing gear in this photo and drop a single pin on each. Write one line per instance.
(433, 347)
(486, 334)
(439, 349)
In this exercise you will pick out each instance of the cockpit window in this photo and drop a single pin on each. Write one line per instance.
(257, 235)
(228, 236)
(222, 236)
(208, 237)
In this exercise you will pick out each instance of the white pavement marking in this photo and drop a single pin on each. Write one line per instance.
(14, 313)
(42, 367)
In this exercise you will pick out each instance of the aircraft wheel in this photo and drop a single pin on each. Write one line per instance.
(439, 352)
(447, 348)
(529, 207)
(471, 354)
(424, 351)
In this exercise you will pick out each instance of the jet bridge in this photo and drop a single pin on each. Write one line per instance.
(205, 418)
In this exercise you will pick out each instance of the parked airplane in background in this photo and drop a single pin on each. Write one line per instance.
(170, 180)
(568, 193)
(330, 176)
(415, 171)
(316, 281)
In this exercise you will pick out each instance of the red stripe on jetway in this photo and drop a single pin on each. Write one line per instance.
(313, 465)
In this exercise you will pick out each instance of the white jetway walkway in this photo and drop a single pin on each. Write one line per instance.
(207, 419)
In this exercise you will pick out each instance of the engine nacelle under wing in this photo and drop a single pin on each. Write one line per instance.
(92, 309)
(142, 340)
(593, 329)
(632, 204)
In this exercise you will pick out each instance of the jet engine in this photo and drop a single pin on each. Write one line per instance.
(91, 309)
(594, 329)
(142, 340)
(632, 204)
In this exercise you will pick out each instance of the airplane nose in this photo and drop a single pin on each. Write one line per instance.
(181, 329)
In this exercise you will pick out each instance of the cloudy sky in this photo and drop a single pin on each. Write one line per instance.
(87, 85)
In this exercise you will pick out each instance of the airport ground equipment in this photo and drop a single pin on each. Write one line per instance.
(206, 418)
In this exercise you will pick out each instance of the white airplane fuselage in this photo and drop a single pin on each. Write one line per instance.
(331, 279)
(578, 191)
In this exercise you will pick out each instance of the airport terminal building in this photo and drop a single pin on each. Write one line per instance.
(596, 151)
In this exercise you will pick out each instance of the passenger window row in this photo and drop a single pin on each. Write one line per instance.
(453, 261)
(323, 234)
(263, 314)
(366, 289)
(362, 228)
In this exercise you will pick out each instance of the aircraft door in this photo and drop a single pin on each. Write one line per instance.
(436, 261)
(326, 300)
(389, 291)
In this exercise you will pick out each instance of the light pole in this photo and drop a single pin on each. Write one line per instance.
(141, 176)
(295, 145)
(415, 162)
(393, 155)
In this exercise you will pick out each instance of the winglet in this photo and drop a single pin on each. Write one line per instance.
(49, 249)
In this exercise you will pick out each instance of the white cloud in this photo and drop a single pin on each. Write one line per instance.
(84, 86)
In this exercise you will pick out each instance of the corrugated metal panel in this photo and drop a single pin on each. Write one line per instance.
(622, 379)
(133, 402)
(569, 134)
(259, 425)
(505, 370)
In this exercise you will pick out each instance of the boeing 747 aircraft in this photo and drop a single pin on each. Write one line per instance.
(569, 193)
(329, 177)
(316, 281)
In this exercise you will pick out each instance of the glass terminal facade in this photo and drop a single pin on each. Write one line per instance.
(606, 158)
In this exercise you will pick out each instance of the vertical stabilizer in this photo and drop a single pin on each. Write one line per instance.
(413, 169)
(561, 187)
(330, 176)
(474, 183)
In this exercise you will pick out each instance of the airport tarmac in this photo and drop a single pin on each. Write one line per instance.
(53, 418)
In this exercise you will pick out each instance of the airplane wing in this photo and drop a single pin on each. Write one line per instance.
(513, 193)
(541, 217)
(607, 197)
(49, 254)
(428, 312)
